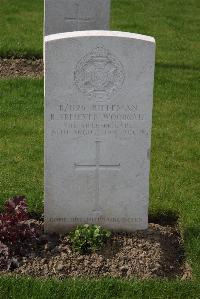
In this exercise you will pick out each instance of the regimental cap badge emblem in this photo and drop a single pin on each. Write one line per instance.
(99, 74)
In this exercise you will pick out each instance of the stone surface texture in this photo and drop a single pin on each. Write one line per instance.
(76, 15)
(98, 118)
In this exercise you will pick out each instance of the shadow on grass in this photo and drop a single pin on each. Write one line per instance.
(178, 66)
(192, 232)
(164, 217)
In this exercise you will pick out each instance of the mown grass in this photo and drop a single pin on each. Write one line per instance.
(21, 28)
(175, 166)
(21, 140)
(174, 24)
(27, 288)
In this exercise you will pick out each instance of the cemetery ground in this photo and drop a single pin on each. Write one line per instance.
(174, 183)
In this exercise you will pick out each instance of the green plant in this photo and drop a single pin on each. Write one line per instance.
(86, 238)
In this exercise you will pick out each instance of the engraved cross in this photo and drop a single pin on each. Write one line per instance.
(97, 166)
(78, 18)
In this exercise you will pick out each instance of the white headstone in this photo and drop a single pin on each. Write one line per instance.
(76, 15)
(98, 117)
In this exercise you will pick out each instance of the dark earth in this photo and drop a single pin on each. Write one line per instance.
(12, 68)
(153, 253)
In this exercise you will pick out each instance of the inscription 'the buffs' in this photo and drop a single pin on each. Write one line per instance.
(99, 74)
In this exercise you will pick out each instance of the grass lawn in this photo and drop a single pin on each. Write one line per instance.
(21, 27)
(175, 165)
(174, 23)
(21, 142)
(91, 289)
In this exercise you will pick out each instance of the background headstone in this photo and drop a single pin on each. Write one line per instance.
(76, 15)
(98, 117)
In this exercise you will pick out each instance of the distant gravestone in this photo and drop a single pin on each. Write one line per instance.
(98, 117)
(76, 15)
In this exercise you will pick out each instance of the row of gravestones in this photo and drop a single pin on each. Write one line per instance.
(98, 118)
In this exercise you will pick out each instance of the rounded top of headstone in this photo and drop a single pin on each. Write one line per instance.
(96, 33)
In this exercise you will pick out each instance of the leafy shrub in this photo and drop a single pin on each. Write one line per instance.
(86, 238)
(14, 229)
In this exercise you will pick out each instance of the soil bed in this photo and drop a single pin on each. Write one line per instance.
(156, 252)
(12, 68)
